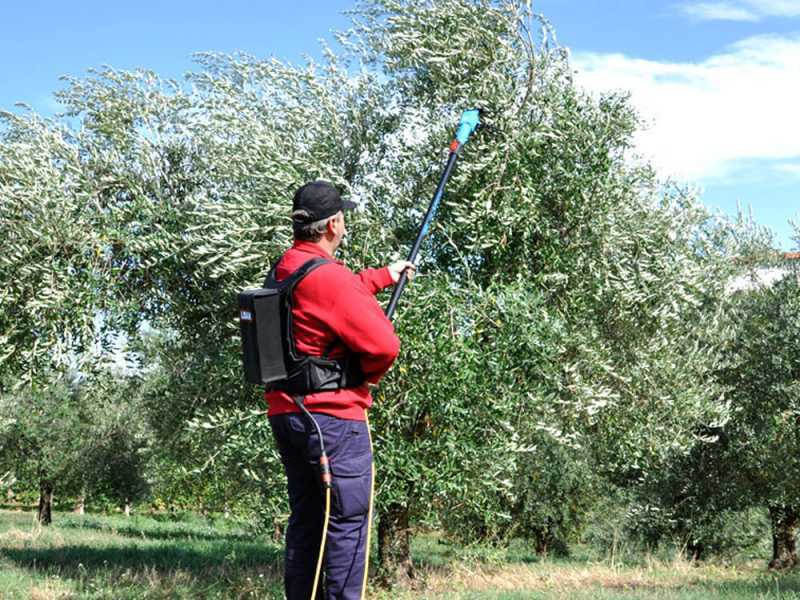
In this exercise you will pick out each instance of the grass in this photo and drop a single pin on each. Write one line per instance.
(157, 557)
(515, 573)
(138, 557)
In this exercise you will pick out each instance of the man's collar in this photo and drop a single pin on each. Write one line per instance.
(312, 248)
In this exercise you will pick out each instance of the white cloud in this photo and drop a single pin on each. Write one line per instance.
(708, 117)
(743, 10)
(776, 8)
(719, 11)
(788, 168)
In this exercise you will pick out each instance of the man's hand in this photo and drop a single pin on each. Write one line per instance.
(397, 268)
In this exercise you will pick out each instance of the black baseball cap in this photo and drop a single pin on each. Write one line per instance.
(318, 200)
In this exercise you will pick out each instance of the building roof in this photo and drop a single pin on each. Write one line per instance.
(764, 276)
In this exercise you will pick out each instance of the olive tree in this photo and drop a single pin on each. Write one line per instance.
(762, 441)
(55, 271)
(54, 253)
(197, 188)
(41, 435)
(621, 274)
(76, 436)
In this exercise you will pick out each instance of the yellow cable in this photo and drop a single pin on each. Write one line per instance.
(369, 514)
(327, 519)
(322, 543)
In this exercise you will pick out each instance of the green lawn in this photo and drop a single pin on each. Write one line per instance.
(158, 557)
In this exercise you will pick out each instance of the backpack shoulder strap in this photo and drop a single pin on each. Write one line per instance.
(293, 279)
(286, 289)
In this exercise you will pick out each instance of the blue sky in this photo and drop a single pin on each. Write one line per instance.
(718, 82)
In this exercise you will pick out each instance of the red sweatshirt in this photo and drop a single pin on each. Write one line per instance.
(332, 303)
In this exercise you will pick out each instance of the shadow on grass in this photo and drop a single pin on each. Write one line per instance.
(768, 585)
(435, 552)
(132, 530)
(76, 561)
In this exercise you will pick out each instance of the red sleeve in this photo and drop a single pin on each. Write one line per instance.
(359, 322)
(376, 279)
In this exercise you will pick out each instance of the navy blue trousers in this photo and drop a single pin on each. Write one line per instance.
(348, 447)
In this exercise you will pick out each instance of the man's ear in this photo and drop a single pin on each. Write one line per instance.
(330, 226)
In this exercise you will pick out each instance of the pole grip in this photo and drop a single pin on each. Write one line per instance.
(398, 290)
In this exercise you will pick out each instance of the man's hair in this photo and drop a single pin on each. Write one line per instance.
(308, 232)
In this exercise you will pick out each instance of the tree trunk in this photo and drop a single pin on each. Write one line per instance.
(45, 514)
(80, 504)
(695, 551)
(784, 528)
(544, 538)
(394, 547)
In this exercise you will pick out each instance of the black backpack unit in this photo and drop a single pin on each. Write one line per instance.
(269, 351)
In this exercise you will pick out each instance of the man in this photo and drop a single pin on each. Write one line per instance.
(332, 310)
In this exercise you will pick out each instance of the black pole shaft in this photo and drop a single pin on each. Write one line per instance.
(423, 230)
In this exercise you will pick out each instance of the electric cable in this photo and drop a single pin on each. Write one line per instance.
(327, 483)
(369, 513)
(322, 542)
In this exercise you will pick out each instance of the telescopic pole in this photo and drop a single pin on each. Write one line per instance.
(470, 119)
